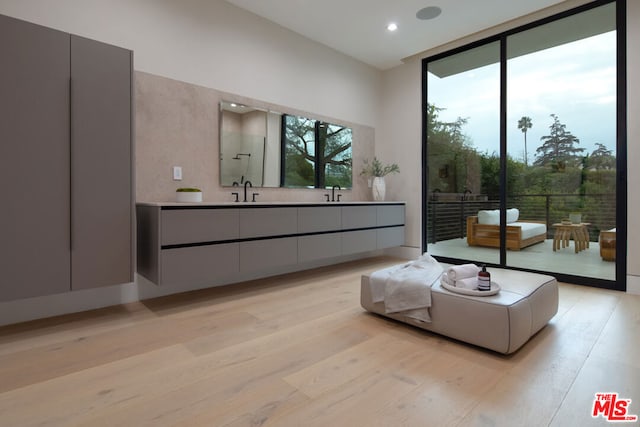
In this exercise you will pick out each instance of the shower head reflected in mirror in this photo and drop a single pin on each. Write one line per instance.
(237, 157)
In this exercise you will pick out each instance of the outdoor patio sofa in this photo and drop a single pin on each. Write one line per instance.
(608, 244)
(484, 230)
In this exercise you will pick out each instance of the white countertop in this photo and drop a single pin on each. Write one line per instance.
(269, 204)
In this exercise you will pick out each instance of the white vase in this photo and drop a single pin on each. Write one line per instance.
(378, 188)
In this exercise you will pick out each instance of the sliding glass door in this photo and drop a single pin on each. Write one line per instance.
(463, 155)
(522, 141)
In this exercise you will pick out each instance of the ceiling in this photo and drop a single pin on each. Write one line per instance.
(358, 27)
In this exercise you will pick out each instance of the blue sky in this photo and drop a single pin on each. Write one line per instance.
(576, 81)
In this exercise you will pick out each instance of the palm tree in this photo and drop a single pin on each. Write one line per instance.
(525, 124)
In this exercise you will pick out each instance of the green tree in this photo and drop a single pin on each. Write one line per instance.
(524, 124)
(558, 148)
(452, 159)
(602, 158)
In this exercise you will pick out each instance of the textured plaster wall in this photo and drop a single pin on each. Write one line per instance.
(177, 124)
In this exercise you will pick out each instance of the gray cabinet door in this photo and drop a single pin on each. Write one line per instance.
(101, 168)
(34, 160)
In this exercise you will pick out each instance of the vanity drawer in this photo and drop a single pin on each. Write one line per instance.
(199, 265)
(262, 222)
(390, 237)
(321, 246)
(183, 226)
(390, 215)
(316, 219)
(358, 217)
(354, 242)
(268, 254)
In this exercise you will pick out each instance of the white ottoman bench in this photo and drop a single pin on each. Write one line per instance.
(501, 322)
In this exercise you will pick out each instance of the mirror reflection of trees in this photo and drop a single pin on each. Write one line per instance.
(316, 154)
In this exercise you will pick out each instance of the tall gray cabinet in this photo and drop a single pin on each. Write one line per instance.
(66, 216)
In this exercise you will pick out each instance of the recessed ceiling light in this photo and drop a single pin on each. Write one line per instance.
(392, 26)
(428, 12)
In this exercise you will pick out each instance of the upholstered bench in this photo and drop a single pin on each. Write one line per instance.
(502, 322)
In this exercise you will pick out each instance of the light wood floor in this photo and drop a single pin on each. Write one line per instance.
(298, 350)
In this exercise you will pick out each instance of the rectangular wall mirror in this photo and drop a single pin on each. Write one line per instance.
(271, 149)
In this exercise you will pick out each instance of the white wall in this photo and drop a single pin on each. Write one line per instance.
(217, 45)
(633, 146)
(398, 140)
(399, 130)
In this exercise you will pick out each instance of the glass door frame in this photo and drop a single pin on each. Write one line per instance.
(621, 145)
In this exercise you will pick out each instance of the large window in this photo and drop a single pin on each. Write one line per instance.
(315, 153)
(524, 128)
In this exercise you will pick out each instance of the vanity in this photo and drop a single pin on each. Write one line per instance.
(202, 244)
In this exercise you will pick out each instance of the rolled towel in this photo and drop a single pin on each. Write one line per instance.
(468, 283)
(464, 271)
(444, 279)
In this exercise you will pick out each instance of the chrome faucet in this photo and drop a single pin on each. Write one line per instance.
(333, 193)
(247, 182)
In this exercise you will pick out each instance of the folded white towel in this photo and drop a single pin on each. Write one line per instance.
(464, 271)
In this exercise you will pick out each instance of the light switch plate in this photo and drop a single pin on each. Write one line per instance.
(177, 173)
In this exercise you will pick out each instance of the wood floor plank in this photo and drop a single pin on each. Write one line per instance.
(49, 361)
(335, 371)
(70, 327)
(60, 400)
(599, 375)
(208, 388)
(299, 350)
(544, 371)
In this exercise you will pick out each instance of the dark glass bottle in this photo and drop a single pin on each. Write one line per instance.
(484, 279)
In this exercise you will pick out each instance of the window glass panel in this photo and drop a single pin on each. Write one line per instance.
(561, 140)
(463, 154)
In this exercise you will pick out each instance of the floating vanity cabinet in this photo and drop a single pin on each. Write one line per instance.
(208, 245)
(65, 162)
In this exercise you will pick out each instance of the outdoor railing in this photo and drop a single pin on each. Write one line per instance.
(446, 219)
